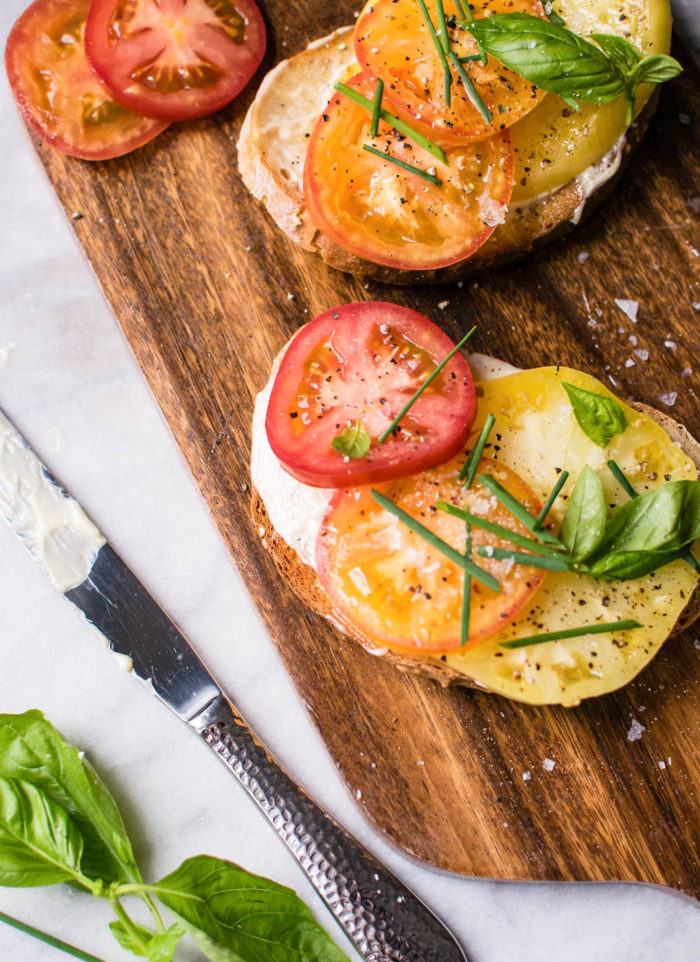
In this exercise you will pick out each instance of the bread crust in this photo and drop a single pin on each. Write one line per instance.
(302, 579)
(311, 74)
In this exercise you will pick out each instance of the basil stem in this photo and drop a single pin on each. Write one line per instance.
(517, 509)
(596, 629)
(529, 560)
(403, 165)
(377, 109)
(472, 463)
(472, 92)
(440, 52)
(432, 539)
(48, 939)
(499, 530)
(431, 377)
(395, 122)
(554, 493)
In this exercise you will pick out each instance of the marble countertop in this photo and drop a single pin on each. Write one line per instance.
(68, 380)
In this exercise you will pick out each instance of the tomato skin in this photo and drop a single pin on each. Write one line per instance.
(364, 362)
(175, 59)
(392, 42)
(388, 587)
(380, 213)
(59, 95)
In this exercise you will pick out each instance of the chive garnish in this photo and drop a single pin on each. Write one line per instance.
(48, 939)
(499, 530)
(431, 377)
(466, 594)
(377, 109)
(472, 463)
(440, 52)
(395, 122)
(517, 509)
(616, 470)
(470, 58)
(470, 18)
(442, 23)
(432, 539)
(403, 165)
(530, 560)
(597, 629)
(551, 499)
(472, 92)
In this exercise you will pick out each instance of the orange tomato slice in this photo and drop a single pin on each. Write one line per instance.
(392, 41)
(389, 587)
(391, 216)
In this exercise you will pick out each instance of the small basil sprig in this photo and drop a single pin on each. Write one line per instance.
(559, 61)
(55, 819)
(353, 442)
(599, 417)
(584, 522)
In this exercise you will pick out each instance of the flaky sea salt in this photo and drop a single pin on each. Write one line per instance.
(669, 398)
(527, 776)
(630, 308)
(548, 764)
(671, 345)
(629, 362)
(636, 731)
(443, 304)
(583, 257)
(642, 354)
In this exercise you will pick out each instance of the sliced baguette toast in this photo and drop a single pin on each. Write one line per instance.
(272, 149)
(302, 579)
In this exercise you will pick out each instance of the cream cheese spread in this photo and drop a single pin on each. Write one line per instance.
(296, 510)
(54, 527)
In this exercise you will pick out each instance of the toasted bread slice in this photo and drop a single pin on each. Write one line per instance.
(302, 579)
(272, 149)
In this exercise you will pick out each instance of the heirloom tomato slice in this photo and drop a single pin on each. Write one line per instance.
(61, 98)
(392, 42)
(362, 363)
(175, 59)
(388, 215)
(389, 587)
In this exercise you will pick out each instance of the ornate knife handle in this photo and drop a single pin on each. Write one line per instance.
(384, 919)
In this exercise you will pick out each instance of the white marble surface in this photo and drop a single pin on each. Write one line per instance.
(68, 380)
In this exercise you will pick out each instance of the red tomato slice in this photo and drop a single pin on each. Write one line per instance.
(363, 362)
(392, 41)
(59, 95)
(387, 215)
(175, 59)
(389, 587)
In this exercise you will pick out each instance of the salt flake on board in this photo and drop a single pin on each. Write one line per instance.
(630, 308)
(636, 731)
(548, 764)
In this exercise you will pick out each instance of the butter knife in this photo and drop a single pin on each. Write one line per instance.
(385, 920)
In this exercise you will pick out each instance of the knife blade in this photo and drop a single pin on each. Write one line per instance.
(381, 916)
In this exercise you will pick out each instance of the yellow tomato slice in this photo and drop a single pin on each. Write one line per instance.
(393, 42)
(392, 216)
(389, 587)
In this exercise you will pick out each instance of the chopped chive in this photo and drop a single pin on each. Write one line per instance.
(551, 499)
(517, 509)
(395, 122)
(440, 52)
(472, 92)
(462, 11)
(552, 15)
(48, 939)
(472, 463)
(431, 377)
(499, 530)
(466, 594)
(426, 534)
(616, 470)
(529, 560)
(403, 165)
(470, 58)
(442, 23)
(597, 629)
(470, 19)
(377, 109)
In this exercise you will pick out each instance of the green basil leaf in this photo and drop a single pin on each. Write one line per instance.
(32, 750)
(550, 56)
(353, 442)
(623, 565)
(234, 916)
(135, 939)
(622, 53)
(586, 514)
(664, 520)
(655, 69)
(162, 947)
(599, 417)
(39, 845)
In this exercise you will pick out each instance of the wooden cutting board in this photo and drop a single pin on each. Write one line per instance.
(207, 291)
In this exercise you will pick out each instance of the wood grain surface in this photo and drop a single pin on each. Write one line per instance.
(207, 291)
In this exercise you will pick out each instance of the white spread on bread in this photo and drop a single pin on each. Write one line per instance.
(295, 509)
